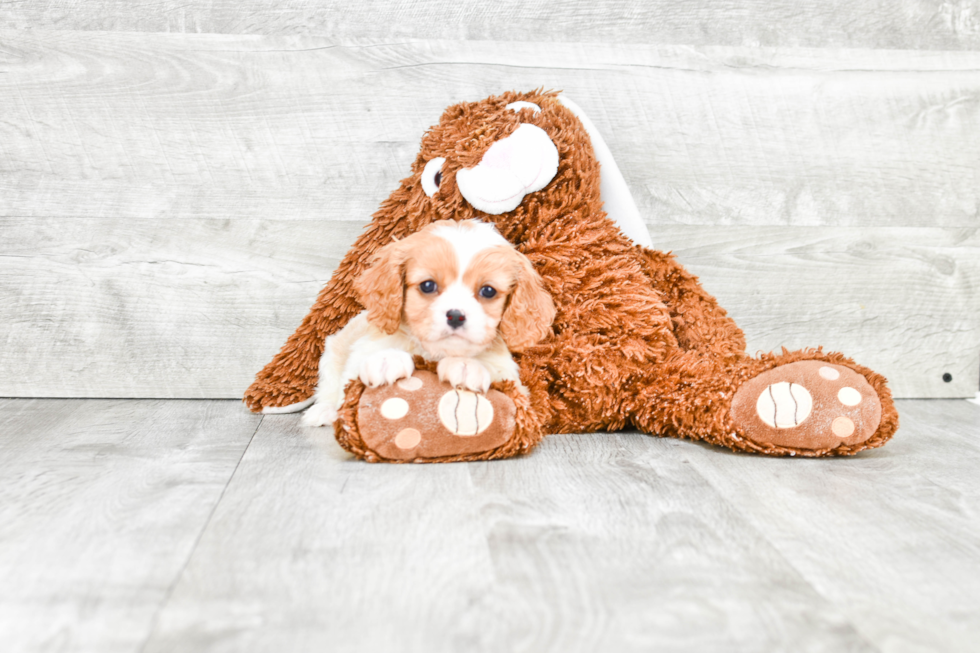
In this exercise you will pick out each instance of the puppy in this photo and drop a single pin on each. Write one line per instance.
(454, 292)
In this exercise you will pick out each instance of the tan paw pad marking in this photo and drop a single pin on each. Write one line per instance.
(394, 408)
(829, 373)
(849, 396)
(465, 413)
(842, 427)
(411, 384)
(784, 405)
(408, 438)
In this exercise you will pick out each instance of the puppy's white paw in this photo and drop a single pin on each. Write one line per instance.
(386, 367)
(464, 373)
(321, 414)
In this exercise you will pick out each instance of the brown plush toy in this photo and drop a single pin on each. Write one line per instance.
(636, 341)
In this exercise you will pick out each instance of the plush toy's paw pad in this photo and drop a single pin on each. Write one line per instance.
(807, 405)
(421, 418)
(320, 415)
(386, 366)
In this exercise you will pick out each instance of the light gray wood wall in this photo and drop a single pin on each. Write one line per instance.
(170, 203)
(909, 24)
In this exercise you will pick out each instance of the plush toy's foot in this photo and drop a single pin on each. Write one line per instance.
(420, 419)
(270, 397)
(810, 405)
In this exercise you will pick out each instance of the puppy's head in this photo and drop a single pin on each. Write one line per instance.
(455, 286)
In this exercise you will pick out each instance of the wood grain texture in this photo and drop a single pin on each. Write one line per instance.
(898, 300)
(129, 308)
(913, 24)
(602, 542)
(143, 125)
(126, 526)
(890, 537)
(101, 504)
(145, 308)
(172, 203)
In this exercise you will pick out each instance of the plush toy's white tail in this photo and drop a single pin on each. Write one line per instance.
(291, 408)
(616, 197)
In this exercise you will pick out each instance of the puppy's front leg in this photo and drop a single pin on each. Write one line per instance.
(320, 414)
(386, 367)
(467, 373)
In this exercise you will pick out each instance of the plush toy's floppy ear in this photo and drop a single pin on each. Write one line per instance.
(617, 201)
(381, 288)
(530, 311)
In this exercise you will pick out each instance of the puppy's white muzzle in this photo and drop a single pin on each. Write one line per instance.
(522, 163)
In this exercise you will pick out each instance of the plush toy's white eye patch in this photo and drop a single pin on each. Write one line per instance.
(517, 106)
(432, 175)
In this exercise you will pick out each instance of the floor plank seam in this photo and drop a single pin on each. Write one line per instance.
(751, 524)
(207, 522)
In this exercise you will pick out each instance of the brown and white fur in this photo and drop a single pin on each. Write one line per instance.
(454, 292)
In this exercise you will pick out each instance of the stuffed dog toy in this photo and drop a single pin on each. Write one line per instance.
(635, 341)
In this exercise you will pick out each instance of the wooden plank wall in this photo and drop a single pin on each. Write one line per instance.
(171, 201)
(895, 24)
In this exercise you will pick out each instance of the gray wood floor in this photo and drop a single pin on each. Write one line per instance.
(152, 525)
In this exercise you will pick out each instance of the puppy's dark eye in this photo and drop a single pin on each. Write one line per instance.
(428, 287)
(488, 292)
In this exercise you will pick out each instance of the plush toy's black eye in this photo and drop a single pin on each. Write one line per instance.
(432, 176)
(428, 287)
(488, 292)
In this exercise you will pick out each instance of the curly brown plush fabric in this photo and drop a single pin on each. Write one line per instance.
(636, 340)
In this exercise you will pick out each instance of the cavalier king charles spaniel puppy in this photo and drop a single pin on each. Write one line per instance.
(454, 292)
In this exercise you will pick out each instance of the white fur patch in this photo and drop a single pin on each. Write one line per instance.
(321, 414)
(469, 238)
(385, 367)
(465, 373)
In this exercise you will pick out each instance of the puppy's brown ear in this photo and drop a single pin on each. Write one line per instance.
(381, 288)
(530, 311)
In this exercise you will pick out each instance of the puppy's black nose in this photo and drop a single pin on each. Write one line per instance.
(455, 318)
